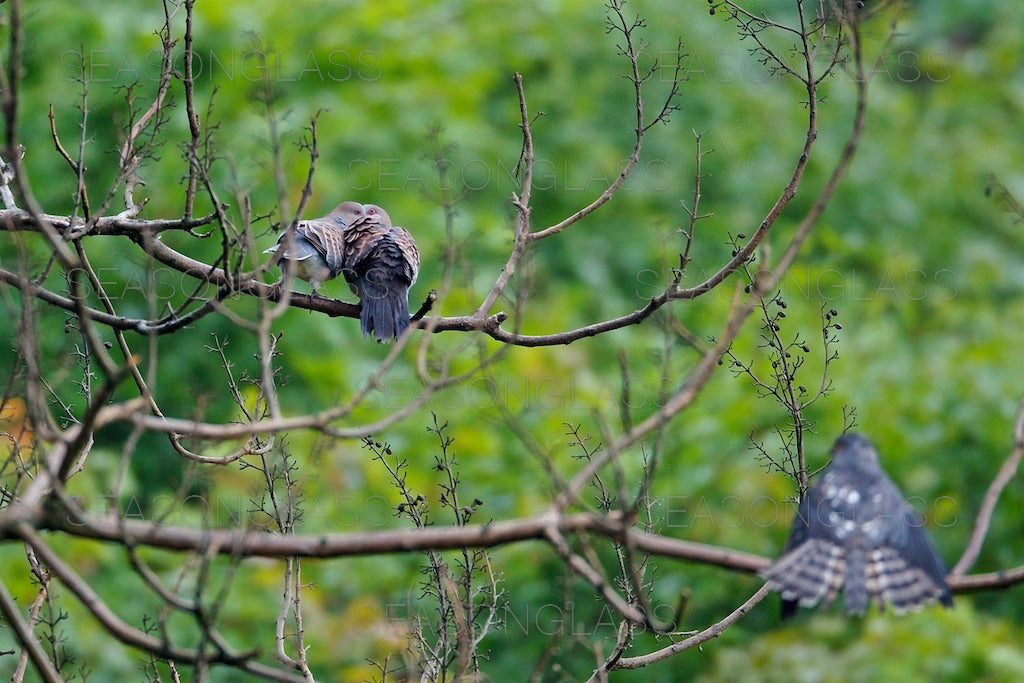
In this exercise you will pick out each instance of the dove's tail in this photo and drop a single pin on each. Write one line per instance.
(385, 309)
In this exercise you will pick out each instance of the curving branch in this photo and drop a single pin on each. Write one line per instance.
(28, 640)
(131, 636)
(631, 50)
(697, 639)
(995, 489)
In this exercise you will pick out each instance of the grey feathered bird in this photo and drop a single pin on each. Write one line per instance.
(317, 246)
(381, 262)
(855, 532)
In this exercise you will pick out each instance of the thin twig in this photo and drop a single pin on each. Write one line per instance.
(707, 634)
(27, 639)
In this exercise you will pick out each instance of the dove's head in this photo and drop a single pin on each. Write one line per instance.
(348, 213)
(377, 214)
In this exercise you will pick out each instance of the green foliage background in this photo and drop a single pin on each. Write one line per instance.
(927, 274)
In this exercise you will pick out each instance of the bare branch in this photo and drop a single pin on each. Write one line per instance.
(990, 581)
(126, 633)
(707, 634)
(130, 153)
(15, 220)
(194, 129)
(995, 489)
(631, 50)
(27, 639)
(522, 204)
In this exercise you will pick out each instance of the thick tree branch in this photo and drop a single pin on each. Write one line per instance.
(15, 220)
(235, 543)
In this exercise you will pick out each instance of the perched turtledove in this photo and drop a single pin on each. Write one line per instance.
(316, 249)
(380, 264)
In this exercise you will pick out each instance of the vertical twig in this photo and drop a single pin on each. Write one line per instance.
(522, 203)
(188, 80)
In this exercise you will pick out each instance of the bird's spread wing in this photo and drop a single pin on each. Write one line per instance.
(812, 571)
(855, 532)
(919, 559)
(893, 580)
